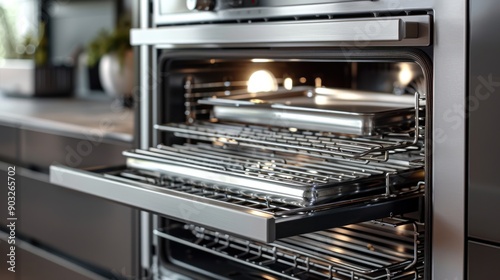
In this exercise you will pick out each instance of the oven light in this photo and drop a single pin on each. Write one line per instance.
(317, 82)
(288, 83)
(262, 81)
(405, 74)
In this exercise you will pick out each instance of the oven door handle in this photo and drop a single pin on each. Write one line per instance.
(404, 30)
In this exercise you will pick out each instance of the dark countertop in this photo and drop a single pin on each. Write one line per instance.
(70, 116)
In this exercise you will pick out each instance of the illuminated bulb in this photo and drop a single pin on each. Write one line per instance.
(262, 81)
(288, 83)
(317, 82)
(303, 80)
(405, 75)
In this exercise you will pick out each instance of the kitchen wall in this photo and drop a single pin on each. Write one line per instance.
(75, 23)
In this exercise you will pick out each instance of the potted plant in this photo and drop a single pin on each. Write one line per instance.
(113, 52)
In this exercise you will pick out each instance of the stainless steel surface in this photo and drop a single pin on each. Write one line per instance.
(333, 8)
(484, 77)
(170, 203)
(142, 18)
(448, 157)
(272, 3)
(145, 83)
(282, 177)
(364, 251)
(410, 30)
(483, 260)
(200, 5)
(259, 221)
(35, 263)
(143, 109)
(322, 109)
(145, 243)
(163, 7)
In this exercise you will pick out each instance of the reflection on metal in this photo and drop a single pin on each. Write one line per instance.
(392, 31)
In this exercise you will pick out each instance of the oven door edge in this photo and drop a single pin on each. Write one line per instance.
(231, 218)
(153, 199)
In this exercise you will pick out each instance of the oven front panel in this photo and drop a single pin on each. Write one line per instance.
(411, 24)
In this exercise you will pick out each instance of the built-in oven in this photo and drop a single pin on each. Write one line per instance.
(281, 141)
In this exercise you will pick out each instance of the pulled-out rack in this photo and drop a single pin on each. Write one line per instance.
(300, 180)
(386, 249)
(252, 215)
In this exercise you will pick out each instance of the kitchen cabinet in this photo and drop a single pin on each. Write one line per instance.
(33, 263)
(4, 249)
(8, 141)
(61, 227)
(484, 99)
(483, 261)
(97, 232)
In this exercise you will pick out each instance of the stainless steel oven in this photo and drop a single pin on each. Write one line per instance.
(288, 141)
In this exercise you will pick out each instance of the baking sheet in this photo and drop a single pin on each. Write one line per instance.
(324, 109)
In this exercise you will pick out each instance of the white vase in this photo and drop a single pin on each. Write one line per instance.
(117, 79)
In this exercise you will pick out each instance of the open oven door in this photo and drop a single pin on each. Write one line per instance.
(235, 216)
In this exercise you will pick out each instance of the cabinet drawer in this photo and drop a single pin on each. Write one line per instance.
(8, 142)
(94, 231)
(483, 261)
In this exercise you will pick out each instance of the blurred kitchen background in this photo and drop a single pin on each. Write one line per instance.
(54, 47)
(56, 107)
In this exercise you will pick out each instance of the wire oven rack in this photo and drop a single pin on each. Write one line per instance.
(387, 249)
(282, 139)
(312, 143)
(195, 91)
(299, 180)
(261, 202)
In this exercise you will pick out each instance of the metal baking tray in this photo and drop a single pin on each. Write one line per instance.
(334, 110)
(298, 180)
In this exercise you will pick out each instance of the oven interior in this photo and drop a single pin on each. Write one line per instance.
(348, 244)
